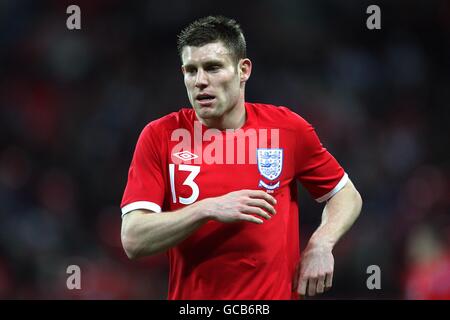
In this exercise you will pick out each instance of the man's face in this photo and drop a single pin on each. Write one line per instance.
(212, 79)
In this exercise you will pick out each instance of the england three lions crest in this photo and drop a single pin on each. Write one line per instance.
(270, 165)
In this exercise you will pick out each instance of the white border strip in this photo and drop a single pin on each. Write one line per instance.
(338, 187)
(141, 205)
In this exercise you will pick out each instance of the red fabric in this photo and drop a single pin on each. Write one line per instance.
(241, 260)
(429, 280)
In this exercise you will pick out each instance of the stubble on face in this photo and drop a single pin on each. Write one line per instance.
(211, 70)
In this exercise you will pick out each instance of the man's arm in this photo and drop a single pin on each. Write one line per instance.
(145, 233)
(317, 264)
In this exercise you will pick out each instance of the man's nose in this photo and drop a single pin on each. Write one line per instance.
(201, 80)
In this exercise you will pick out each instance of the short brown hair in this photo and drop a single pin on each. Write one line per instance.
(212, 29)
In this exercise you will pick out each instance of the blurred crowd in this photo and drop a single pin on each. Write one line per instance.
(73, 102)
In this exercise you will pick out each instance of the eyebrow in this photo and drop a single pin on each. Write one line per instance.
(205, 64)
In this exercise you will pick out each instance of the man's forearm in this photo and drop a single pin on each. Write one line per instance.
(338, 216)
(144, 234)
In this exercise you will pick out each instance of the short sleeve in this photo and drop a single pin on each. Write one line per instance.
(316, 169)
(145, 185)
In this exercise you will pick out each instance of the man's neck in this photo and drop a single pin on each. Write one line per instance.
(234, 119)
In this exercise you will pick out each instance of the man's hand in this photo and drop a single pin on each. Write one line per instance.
(240, 206)
(314, 274)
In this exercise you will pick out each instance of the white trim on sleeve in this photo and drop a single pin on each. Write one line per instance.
(338, 187)
(141, 205)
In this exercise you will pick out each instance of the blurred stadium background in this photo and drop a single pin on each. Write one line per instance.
(72, 104)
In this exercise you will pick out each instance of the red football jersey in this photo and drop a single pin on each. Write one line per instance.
(179, 161)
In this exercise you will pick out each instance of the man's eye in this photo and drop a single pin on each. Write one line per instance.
(213, 68)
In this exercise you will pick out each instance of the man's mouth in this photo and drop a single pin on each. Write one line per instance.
(205, 99)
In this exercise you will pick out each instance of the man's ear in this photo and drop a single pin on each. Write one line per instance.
(245, 69)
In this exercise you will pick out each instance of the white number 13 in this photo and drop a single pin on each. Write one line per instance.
(195, 170)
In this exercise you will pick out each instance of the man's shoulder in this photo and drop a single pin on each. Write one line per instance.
(173, 120)
(278, 116)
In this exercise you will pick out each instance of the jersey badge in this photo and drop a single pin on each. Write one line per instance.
(270, 165)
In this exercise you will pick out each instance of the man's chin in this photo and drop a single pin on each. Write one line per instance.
(206, 112)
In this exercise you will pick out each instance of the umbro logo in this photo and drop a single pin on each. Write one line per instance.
(185, 155)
